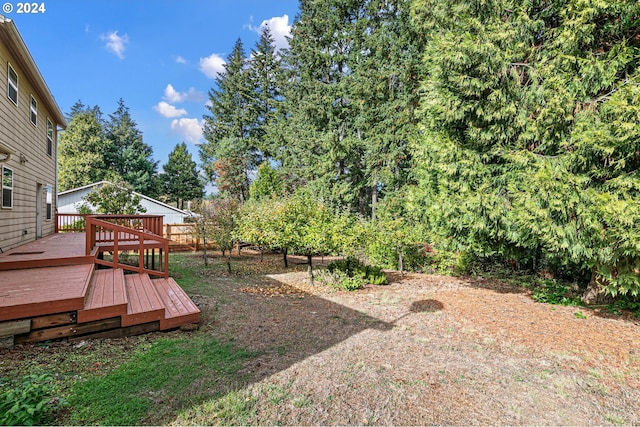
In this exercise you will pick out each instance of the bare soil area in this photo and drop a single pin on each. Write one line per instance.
(424, 349)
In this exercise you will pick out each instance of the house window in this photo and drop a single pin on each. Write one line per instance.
(49, 137)
(7, 187)
(12, 92)
(34, 111)
(49, 199)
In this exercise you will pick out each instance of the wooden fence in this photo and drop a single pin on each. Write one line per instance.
(182, 238)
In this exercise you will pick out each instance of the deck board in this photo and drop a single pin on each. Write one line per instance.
(106, 296)
(41, 291)
(144, 302)
(59, 290)
(51, 251)
(179, 308)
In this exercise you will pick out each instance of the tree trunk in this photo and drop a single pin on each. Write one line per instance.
(374, 198)
(229, 261)
(238, 246)
(310, 269)
(284, 257)
(400, 262)
(594, 293)
(204, 249)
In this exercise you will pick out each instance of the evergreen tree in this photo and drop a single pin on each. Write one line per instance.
(529, 151)
(181, 180)
(268, 183)
(229, 154)
(128, 155)
(350, 95)
(81, 152)
(264, 75)
(80, 107)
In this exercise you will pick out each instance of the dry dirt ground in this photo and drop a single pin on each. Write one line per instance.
(425, 349)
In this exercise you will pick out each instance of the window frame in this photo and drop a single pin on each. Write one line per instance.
(33, 111)
(49, 137)
(12, 85)
(2, 187)
(49, 202)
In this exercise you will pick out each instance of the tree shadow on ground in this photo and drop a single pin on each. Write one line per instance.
(279, 323)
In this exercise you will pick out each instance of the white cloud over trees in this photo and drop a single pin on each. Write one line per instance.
(212, 65)
(167, 110)
(280, 30)
(172, 95)
(115, 43)
(189, 129)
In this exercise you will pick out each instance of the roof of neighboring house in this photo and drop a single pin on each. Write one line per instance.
(142, 196)
(13, 40)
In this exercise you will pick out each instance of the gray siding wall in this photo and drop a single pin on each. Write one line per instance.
(18, 225)
(69, 203)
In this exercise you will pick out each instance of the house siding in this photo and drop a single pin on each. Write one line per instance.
(18, 225)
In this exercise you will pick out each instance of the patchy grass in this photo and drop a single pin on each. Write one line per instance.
(273, 350)
(160, 378)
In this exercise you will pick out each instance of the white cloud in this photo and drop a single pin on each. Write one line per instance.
(172, 95)
(181, 60)
(189, 129)
(167, 110)
(280, 30)
(212, 65)
(115, 43)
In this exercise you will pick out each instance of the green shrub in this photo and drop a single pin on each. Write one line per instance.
(413, 256)
(29, 402)
(553, 292)
(625, 302)
(350, 274)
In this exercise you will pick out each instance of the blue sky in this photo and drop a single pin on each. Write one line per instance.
(160, 56)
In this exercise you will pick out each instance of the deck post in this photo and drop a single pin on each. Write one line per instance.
(166, 262)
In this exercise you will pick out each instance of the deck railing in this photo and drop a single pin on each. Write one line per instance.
(70, 223)
(116, 233)
(77, 222)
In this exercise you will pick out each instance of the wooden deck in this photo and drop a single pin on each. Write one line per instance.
(50, 289)
(53, 250)
(46, 290)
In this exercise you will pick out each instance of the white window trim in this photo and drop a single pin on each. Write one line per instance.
(12, 85)
(2, 187)
(50, 137)
(33, 112)
(48, 214)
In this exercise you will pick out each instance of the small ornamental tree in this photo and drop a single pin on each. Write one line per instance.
(299, 224)
(114, 199)
(262, 223)
(216, 221)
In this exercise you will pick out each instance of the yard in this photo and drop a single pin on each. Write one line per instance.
(424, 349)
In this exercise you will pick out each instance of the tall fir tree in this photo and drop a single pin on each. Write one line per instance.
(229, 155)
(351, 79)
(181, 180)
(129, 156)
(264, 76)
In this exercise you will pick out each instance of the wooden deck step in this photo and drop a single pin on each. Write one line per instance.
(179, 308)
(144, 302)
(106, 296)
